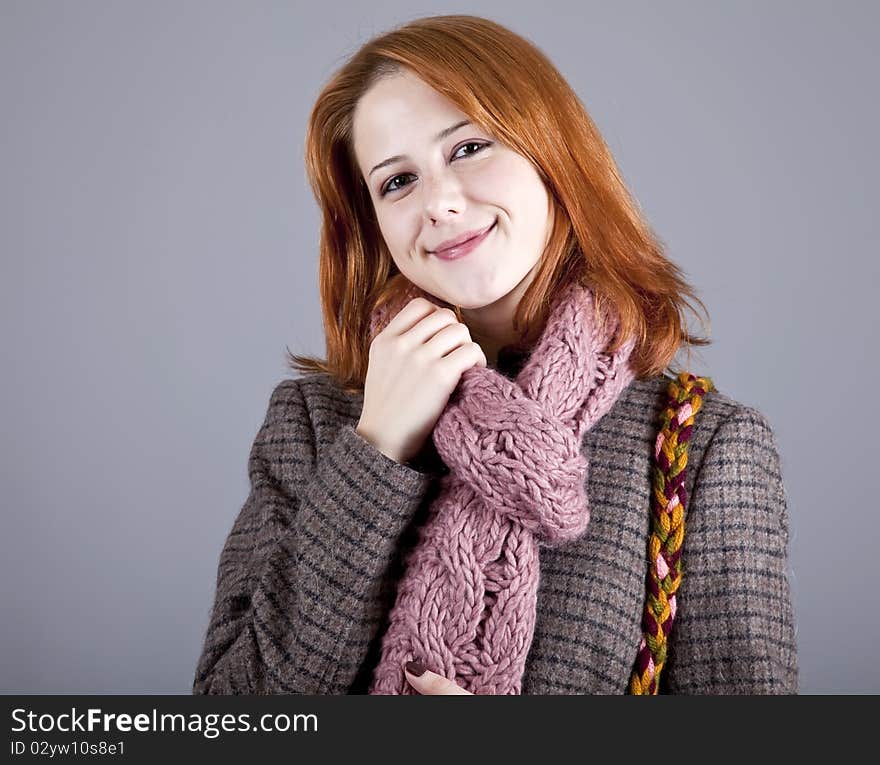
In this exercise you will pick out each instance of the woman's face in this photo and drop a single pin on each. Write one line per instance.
(437, 189)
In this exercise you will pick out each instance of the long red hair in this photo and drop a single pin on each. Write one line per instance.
(599, 235)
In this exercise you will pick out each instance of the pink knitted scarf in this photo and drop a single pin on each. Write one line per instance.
(466, 603)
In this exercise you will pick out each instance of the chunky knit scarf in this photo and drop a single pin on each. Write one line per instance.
(466, 603)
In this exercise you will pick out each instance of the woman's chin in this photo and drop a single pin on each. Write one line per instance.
(476, 299)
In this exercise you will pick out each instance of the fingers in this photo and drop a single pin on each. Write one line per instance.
(447, 339)
(431, 684)
(410, 315)
(434, 323)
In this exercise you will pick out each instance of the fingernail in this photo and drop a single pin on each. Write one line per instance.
(415, 668)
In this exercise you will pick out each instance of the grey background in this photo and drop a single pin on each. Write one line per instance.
(159, 249)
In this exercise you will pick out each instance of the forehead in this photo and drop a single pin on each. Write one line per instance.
(395, 112)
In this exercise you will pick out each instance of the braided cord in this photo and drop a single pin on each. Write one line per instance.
(685, 399)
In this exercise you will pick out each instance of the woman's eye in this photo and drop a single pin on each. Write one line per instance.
(471, 143)
(390, 185)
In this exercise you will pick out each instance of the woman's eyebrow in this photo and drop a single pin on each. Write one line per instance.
(439, 137)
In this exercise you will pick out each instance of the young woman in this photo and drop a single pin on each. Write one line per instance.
(491, 481)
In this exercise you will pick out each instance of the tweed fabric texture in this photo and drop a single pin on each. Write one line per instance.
(309, 569)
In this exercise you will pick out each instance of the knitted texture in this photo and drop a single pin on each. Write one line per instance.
(466, 603)
(685, 398)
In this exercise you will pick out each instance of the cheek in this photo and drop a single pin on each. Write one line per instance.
(392, 228)
(495, 182)
(530, 197)
(511, 183)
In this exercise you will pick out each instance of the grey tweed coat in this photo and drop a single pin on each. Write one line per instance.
(308, 573)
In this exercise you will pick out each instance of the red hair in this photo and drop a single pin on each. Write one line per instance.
(599, 235)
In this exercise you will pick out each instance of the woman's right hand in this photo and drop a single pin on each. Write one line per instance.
(414, 364)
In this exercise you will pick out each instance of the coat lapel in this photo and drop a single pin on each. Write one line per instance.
(592, 590)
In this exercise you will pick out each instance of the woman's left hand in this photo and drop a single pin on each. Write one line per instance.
(430, 683)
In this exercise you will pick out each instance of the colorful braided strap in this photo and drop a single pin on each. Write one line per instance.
(685, 398)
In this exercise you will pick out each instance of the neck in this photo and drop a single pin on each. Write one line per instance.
(491, 326)
(490, 335)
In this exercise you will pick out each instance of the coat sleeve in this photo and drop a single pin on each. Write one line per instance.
(734, 631)
(298, 591)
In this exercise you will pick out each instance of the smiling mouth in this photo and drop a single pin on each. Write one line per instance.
(459, 251)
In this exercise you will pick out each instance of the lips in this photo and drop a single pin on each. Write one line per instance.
(464, 244)
(460, 240)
